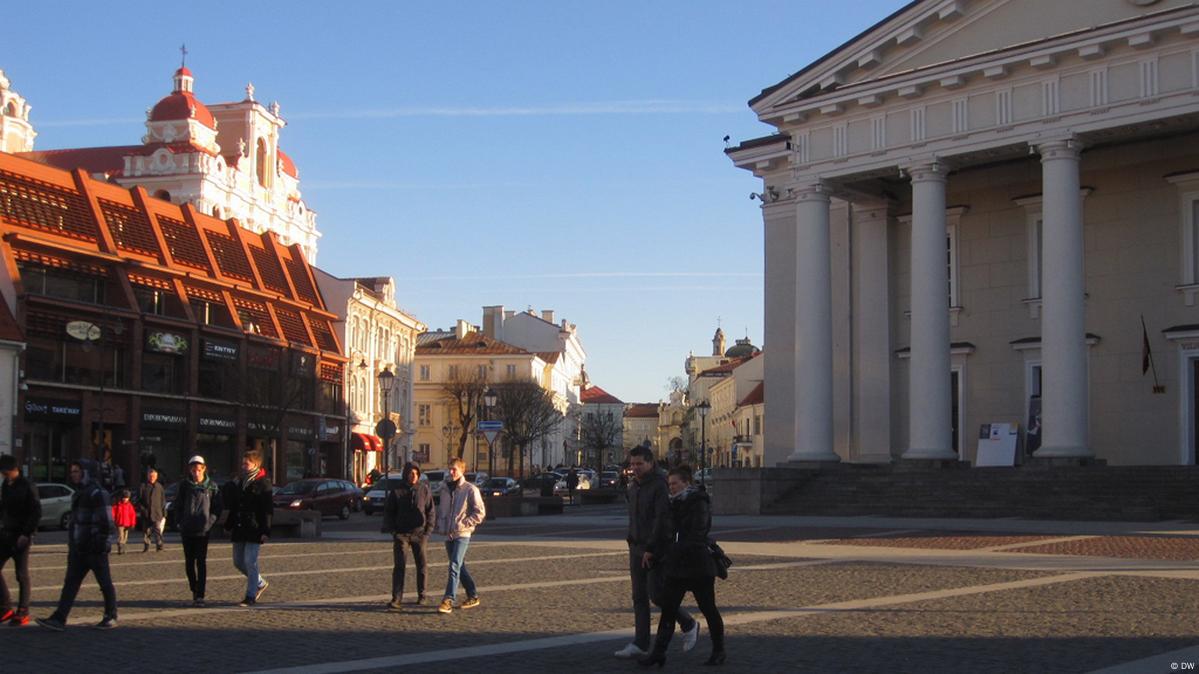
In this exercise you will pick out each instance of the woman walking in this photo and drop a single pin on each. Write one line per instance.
(687, 566)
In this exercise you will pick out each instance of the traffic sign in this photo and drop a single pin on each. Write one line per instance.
(491, 435)
(386, 428)
(491, 426)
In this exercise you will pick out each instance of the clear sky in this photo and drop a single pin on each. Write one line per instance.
(558, 154)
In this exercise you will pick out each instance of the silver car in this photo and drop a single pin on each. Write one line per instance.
(56, 504)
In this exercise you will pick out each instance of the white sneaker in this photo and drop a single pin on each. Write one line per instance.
(690, 637)
(631, 651)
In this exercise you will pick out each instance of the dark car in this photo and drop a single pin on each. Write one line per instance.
(500, 486)
(324, 495)
(539, 481)
(609, 479)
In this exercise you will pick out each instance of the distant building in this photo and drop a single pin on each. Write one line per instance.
(640, 424)
(735, 418)
(224, 159)
(604, 410)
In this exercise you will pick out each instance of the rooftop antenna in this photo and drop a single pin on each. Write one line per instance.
(183, 54)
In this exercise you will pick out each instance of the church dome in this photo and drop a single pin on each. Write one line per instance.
(742, 349)
(181, 104)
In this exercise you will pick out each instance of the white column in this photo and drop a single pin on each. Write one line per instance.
(872, 352)
(779, 288)
(930, 428)
(814, 329)
(1063, 312)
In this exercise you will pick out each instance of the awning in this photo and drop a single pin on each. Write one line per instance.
(364, 442)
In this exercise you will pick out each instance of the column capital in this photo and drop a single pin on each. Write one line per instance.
(1068, 147)
(932, 169)
(816, 190)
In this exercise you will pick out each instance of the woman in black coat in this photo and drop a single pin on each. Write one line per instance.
(687, 566)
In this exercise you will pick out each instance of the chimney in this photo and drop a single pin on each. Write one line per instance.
(493, 319)
(547, 315)
(461, 329)
(509, 314)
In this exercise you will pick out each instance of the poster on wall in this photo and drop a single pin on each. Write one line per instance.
(997, 444)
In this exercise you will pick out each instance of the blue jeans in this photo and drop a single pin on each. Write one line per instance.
(245, 558)
(455, 549)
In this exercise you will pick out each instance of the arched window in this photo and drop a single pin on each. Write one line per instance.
(263, 163)
(162, 194)
(11, 109)
(218, 213)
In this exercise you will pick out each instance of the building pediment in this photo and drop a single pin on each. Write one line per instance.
(930, 33)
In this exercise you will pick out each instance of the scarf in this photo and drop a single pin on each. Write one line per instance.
(682, 495)
(248, 476)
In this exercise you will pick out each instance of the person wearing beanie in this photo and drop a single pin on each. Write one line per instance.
(409, 517)
(196, 509)
(20, 511)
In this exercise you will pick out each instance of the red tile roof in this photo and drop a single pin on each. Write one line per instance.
(289, 166)
(106, 160)
(598, 396)
(182, 105)
(724, 369)
(755, 397)
(472, 343)
(550, 357)
(642, 410)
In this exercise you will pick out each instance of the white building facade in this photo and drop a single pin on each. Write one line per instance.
(378, 335)
(16, 133)
(968, 209)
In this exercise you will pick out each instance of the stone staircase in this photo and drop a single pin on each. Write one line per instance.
(1129, 493)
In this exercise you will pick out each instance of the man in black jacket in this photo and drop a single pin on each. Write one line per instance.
(408, 516)
(249, 524)
(152, 506)
(88, 544)
(20, 511)
(197, 507)
(649, 514)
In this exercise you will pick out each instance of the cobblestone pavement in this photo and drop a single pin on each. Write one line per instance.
(816, 594)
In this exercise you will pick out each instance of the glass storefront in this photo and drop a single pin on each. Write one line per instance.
(162, 444)
(216, 441)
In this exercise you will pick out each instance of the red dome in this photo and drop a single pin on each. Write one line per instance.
(179, 105)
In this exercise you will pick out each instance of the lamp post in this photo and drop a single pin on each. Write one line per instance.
(489, 398)
(386, 380)
(703, 442)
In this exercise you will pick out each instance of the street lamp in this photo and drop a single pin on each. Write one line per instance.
(489, 399)
(703, 408)
(386, 380)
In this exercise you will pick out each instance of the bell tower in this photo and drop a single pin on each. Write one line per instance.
(16, 133)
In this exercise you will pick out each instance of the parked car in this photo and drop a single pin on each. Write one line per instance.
(324, 495)
(56, 504)
(436, 480)
(478, 478)
(609, 479)
(500, 486)
(584, 483)
(536, 482)
(376, 496)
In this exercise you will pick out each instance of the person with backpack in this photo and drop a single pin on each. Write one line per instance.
(196, 507)
(408, 515)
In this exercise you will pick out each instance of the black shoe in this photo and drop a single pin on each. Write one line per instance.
(716, 658)
(420, 599)
(652, 659)
(248, 601)
(146, 547)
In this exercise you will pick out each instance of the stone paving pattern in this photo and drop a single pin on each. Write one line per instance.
(567, 576)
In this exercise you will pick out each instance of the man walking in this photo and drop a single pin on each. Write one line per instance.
(572, 483)
(196, 508)
(649, 514)
(408, 516)
(152, 506)
(249, 523)
(459, 512)
(88, 544)
(20, 511)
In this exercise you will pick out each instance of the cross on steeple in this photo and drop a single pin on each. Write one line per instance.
(183, 54)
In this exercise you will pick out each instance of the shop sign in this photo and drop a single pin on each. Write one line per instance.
(295, 431)
(220, 425)
(54, 409)
(163, 419)
(225, 351)
(330, 430)
(303, 363)
(166, 342)
(260, 428)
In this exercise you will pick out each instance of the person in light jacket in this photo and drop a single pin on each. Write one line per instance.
(459, 512)
(408, 515)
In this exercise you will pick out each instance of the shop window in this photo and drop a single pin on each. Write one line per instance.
(63, 284)
(164, 374)
(331, 400)
(216, 379)
(211, 313)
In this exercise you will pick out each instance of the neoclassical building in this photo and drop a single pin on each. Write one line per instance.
(969, 210)
(224, 159)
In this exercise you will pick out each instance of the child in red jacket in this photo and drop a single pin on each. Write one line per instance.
(125, 517)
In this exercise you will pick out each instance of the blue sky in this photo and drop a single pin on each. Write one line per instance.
(560, 155)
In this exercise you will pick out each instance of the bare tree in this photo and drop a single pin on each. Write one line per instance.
(598, 432)
(528, 413)
(466, 395)
(676, 383)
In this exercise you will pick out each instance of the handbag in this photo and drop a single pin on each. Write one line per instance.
(722, 560)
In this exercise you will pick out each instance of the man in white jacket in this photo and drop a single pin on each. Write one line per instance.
(459, 512)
